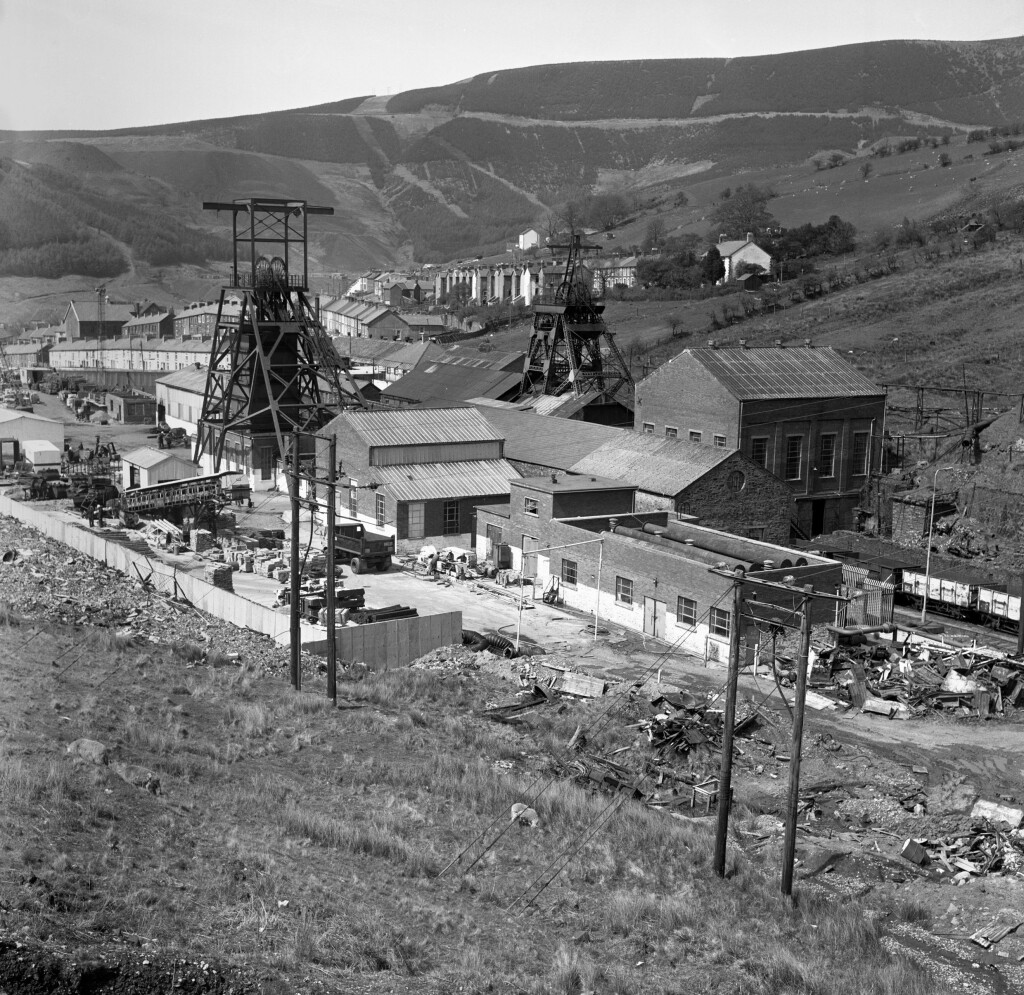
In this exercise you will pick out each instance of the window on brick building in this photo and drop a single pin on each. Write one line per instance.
(759, 451)
(530, 505)
(686, 611)
(794, 456)
(569, 572)
(451, 518)
(648, 428)
(624, 591)
(720, 441)
(859, 460)
(671, 432)
(718, 622)
(380, 509)
(827, 455)
(695, 436)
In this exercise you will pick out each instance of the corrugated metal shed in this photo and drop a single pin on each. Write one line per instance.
(763, 374)
(656, 465)
(147, 457)
(419, 426)
(446, 481)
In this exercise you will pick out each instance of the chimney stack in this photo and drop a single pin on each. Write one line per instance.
(750, 236)
(778, 343)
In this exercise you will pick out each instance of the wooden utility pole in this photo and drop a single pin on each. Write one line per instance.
(332, 496)
(295, 638)
(729, 722)
(793, 802)
(807, 595)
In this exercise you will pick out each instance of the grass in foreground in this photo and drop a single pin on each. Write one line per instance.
(310, 841)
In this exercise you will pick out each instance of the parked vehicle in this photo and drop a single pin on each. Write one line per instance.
(363, 550)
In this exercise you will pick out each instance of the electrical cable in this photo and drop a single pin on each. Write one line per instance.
(593, 727)
(599, 821)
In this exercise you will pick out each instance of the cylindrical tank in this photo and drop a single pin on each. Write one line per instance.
(737, 548)
(692, 552)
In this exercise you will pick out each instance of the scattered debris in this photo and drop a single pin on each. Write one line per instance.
(916, 677)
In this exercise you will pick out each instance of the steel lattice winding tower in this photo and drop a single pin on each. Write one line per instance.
(566, 345)
(273, 369)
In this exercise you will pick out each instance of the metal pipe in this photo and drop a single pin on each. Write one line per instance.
(793, 802)
(928, 554)
(332, 496)
(597, 596)
(729, 721)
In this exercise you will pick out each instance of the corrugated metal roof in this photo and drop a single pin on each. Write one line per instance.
(190, 380)
(446, 481)
(553, 442)
(656, 465)
(420, 426)
(762, 374)
(444, 382)
(10, 415)
(148, 457)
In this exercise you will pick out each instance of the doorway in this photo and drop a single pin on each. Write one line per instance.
(817, 518)
(654, 617)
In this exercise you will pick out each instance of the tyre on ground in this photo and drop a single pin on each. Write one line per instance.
(356, 565)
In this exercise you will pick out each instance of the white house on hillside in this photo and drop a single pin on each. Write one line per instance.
(738, 251)
(529, 239)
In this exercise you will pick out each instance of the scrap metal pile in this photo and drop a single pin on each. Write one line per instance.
(686, 724)
(904, 679)
(993, 843)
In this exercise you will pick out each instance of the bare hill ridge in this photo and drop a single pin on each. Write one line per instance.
(458, 170)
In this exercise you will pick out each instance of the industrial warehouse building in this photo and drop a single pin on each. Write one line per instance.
(640, 570)
(20, 427)
(724, 488)
(418, 474)
(804, 414)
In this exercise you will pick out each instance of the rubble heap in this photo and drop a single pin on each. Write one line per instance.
(900, 680)
(45, 582)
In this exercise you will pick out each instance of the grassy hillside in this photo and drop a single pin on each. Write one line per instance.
(307, 843)
(958, 81)
(457, 170)
(53, 223)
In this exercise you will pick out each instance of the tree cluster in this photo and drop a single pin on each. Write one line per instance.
(745, 210)
(599, 210)
(834, 238)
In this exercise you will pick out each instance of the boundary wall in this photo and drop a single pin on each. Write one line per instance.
(165, 578)
(380, 645)
(386, 645)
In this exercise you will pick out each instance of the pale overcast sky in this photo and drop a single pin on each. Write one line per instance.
(95, 64)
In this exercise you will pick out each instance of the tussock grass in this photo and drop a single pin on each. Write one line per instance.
(375, 840)
(325, 858)
(251, 719)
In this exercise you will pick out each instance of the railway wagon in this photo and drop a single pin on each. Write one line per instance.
(952, 592)
(999, 606)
